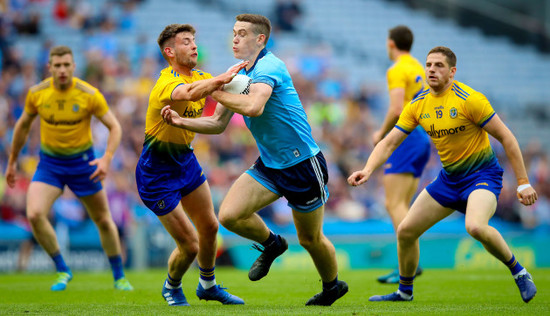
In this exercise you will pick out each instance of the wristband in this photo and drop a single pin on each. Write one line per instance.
(523, 187)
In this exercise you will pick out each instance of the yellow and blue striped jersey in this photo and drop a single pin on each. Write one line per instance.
(162, 140)
(454, 120)
(65, 116)
(406, 73)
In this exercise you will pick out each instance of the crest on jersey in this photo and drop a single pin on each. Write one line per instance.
(76, 107)
(453, 112)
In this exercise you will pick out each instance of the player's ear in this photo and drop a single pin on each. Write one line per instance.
(169, 51)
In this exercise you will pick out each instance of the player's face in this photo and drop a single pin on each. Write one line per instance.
(245, 43)
(438, 73)
(62, 69)
(185, 50)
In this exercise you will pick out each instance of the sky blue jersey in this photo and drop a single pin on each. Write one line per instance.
(282, 132)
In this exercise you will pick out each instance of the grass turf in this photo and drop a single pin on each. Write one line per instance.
(437, 292)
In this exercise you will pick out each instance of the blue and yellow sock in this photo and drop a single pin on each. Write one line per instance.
(207, 278)
(116, 267)
(406, 284)
(514, 266)
(60, 264)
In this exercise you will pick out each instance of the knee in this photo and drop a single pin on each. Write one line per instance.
(406, 234)
(227, 219)
(104, 223)
(475, 230)
(309, 240)
(35, 216)
(208, 229)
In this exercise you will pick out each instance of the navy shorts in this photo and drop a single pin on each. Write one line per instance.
(411, 156)
(454, 192)
(73, 172)
(161, 187)
(304, 185)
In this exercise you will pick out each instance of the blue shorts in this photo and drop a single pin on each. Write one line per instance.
(454, 192)
(411, 156)
(162, 186)
(73, 172)
(304, 185)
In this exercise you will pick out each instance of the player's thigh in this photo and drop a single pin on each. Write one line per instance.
(179, 226)
(400, 187)
(309, 225)
(481, 207)
(40, 198)
(97, 206)
(198, 205)
(424, 213)
(245, 197)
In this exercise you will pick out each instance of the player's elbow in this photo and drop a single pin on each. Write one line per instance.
(255, 111)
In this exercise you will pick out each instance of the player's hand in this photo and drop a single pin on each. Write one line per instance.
(377, 137)
(358, 178)
(527, 196)
(102, 164)
(232, 72)
(11, 171)
(168, 115)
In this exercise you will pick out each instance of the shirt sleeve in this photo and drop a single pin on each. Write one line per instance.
(267, 73)
(395, 78)
(30, 104)
(407, 120)
(99, 104)
(479, 109)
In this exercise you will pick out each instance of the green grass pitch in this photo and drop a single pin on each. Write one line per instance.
(282, 292)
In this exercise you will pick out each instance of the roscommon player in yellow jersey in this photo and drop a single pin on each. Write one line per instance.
(458, 119)
(65, 105)
(169, 179)
(404, 167)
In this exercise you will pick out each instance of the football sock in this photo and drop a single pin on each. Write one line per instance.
(60, 264)
(329, 285)
(406, 284)
(207, 278)
(271, 239)
(514, 266)
(116, 266)
(173, 283)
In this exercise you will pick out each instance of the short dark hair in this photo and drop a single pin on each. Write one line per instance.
(170, 32)
(402, 36)
(449, 54)
(60, 51)
(261, 24)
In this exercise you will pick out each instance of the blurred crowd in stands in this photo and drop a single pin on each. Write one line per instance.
(342, 119)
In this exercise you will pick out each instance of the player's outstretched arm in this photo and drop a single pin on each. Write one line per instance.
(115, 134)
(202, 88)
(214, 124)
(526, 193)
(20, 135)
(251, 104)
(397, 100)
(381, 152)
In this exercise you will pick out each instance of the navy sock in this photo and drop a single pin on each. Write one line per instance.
(406, 284)
(271, 239)
(514, 265)
(116, 266)
(60, 264)
(173, 282)
(329, 285)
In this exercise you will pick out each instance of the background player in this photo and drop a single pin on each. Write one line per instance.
(65, 105)
(169, 178)
(290, 163)
(403, 169)
(457, 118)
